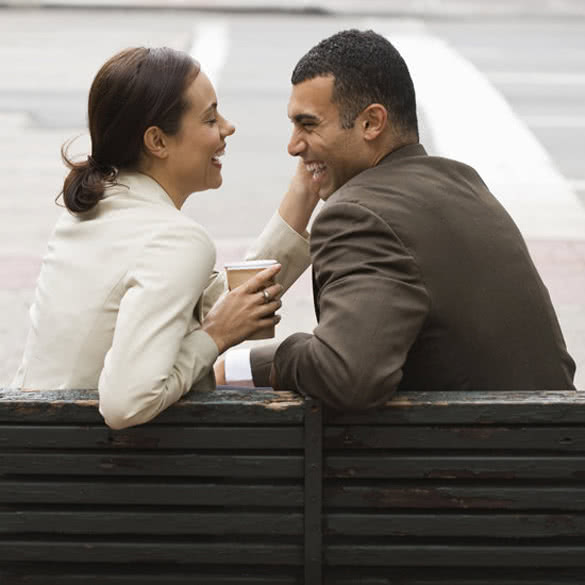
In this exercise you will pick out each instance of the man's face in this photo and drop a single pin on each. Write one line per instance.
(332, 154)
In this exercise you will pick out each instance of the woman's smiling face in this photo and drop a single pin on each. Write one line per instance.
(194, 152)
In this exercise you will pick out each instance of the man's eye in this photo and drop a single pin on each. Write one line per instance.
(212, 121)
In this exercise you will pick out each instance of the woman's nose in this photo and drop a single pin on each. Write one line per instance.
(228, 128)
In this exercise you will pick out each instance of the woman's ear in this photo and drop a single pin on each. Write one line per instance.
(155, 142)
(374, 121)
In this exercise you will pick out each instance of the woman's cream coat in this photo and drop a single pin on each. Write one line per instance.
(120, 300)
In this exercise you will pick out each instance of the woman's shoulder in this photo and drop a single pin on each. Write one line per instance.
(178, 254)
(179, 231)
(137, 200)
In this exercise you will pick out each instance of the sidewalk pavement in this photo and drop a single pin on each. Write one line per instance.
(412, 8)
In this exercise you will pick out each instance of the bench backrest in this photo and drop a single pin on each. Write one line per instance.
(258, 487)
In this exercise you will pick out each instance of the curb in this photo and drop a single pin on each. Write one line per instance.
(413, 8)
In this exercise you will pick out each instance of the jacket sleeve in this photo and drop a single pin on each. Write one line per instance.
(281, 242)
(158, 349)
(372, 305)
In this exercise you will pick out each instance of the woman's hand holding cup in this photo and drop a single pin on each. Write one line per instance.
(246, 309)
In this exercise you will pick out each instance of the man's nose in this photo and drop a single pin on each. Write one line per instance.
(296, 145)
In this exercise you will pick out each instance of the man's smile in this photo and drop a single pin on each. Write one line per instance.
(317, 168)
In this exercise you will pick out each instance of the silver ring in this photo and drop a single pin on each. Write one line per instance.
(266, 295)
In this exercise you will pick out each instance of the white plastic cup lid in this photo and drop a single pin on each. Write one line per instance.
(250, 264)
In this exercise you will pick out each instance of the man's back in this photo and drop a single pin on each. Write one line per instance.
(489, 322)
(421, 278)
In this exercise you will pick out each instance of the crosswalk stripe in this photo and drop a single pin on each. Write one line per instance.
(211, 47)
(470, 121)
(545, 121)
(536, 78)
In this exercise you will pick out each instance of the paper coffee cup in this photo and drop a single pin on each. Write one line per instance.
(238, 273)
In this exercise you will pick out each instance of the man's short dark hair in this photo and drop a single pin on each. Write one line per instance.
(367, 69)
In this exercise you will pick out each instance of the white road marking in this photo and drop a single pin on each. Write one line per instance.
(470, 121)
(546, 121)
(211, 47)
(535, 78)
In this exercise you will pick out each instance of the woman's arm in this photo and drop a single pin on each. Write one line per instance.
(159, 348)
(284, 238)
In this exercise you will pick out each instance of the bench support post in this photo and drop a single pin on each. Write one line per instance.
(313, 491)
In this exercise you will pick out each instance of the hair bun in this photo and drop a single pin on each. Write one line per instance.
(85, 184)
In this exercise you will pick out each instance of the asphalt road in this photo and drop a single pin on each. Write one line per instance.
(506, 92)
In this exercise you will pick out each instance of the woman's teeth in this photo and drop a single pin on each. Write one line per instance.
(217, 155)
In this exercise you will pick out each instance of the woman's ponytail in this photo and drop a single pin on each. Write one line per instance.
(85, 184)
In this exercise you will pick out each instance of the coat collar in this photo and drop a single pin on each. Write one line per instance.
(408, 151)
(140, 186)
(404, 152)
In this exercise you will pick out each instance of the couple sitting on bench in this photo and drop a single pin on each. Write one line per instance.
(421, 279)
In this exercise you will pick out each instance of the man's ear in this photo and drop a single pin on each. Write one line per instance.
(155, 142)
(374, 120)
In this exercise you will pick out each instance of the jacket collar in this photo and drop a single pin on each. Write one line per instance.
(141, 186)
(404, 152)
(410, 150)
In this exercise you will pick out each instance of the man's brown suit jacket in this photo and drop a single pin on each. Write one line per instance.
(422, 281)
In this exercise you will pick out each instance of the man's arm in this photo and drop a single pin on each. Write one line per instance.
(372, 305)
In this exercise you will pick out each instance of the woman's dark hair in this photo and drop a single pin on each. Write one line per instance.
(135, 89)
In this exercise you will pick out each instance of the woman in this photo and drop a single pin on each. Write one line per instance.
(126, 300)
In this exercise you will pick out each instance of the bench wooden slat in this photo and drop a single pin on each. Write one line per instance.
(148, 437)
(159, 575)
(533, 439)
(247, 406)
(460, 555)
(251, 406)
(453, 525)
(251, 576)
(154, 522)
(92, 551)
(151, 493)
(112, 521)
(508, 467)
(478, 575)
(270, 553)
(467, 438)
(445, 497)
(529, 438)
(177, 465)
(490, 408)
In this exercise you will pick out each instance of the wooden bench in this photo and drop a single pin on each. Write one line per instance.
(262, 488)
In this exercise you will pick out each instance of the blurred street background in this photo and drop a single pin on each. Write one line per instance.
(500, 85)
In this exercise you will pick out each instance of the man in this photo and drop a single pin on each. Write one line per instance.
(421, 279)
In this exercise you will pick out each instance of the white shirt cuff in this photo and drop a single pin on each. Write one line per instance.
(237, 366)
